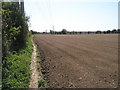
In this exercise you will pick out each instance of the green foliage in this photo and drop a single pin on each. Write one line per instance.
(114, 31)
(16, 73)
(98, 32)
(35, 32)
(16, 47)
(52, 32)
(64, 31)
(42, 83)
(14, 28)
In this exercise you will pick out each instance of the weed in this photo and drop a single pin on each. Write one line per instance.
(42, 83)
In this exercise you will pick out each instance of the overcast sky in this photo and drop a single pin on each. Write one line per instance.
(77, 15)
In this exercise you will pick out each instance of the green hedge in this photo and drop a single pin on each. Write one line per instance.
(16, 74)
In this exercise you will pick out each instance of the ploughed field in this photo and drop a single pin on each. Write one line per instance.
(79, 61)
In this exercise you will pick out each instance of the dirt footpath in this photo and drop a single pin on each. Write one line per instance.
(33, 68)
(79, 61)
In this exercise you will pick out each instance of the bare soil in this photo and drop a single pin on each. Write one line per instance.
(79, 61)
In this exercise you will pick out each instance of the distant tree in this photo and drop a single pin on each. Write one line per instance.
(88, 32)
(73, 32)
(114, 31)
(80, 32)
(98, 32)
(108, 31)
(118, 31)
(59, 32)
(44, 32)
(70, 32)
(55, 32)
(76, 32)
(51, 32)
(32, 31)
(104, 32)
(64, 31)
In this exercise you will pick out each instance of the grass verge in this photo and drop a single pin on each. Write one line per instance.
(16, 72)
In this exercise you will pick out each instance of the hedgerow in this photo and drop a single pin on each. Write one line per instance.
(16, 73)
(16, 47)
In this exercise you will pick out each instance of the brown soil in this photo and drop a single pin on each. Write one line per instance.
(79, 61)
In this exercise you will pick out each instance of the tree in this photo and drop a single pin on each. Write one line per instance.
(52, 32)
(108, 31)
(80, 32)
(76, 32)
(32, 31)
(98, 32)
(114, 31)
(118, 31)
(88, 32)
(64, 31)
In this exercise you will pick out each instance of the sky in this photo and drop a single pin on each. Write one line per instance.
(72, 15)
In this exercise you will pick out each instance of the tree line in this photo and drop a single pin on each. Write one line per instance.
(64, 31)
